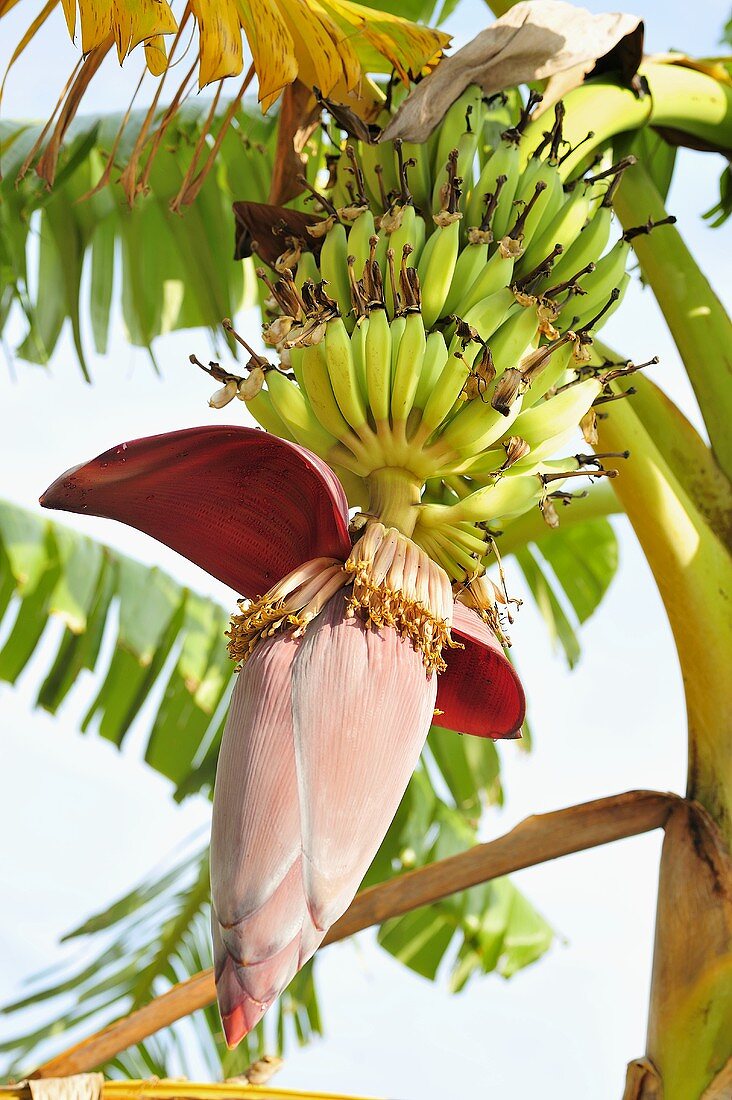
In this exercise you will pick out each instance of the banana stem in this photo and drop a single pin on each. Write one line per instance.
(699, 324)
(693, 570)
(690, 1017)
(394, 497)
(678, 97)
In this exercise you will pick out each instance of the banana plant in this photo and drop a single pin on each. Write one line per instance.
(416, 434)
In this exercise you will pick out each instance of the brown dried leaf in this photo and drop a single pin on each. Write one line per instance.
(46, 167)
(530, 42)
(263, 229)
(299, 117)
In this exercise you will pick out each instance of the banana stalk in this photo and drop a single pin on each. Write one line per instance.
(691, 1010)
(697, 319)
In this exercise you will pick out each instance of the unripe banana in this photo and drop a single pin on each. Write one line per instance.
(342, 374)
(320, 393)
(291, 405)
(535, 461)
(483, 320)
(507, 497)
(497, 273)
(358, 349)
(402, 226)
(264, 412)
(334, 267)
(468, 266)
(379, 168)
(514, 338)
(359, 237)
(504, 162)
(408, 367)
(477, 425)
(307, 268)
(377, 359)
(545, 200)
(598, 286)
(435, 357)
(557, 414)
(396, 327)
(552, 374)
(587, 247)
(602, 316)
(420, 176)
(444, 395)
(562, 229)
(453, 125)
(436, 274)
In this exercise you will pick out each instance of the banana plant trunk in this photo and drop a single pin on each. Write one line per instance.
(689, 1045)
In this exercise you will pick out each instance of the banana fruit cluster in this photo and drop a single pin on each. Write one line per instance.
(437, 351)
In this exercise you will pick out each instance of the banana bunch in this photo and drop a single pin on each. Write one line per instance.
(434, 331)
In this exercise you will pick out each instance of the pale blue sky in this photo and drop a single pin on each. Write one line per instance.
(79, 823)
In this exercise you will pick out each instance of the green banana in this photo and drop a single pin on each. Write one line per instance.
(597, 285)
(264, 412)
(334, 268)
(291, 405)
(307, 269)
(450, 383)
(497, 273)
(320, 394)
(513, 339)
(396, 328)
(477, 425)
(506, 497)
(358, 348)
(587, 247)
(551, 375)
(453, 125)
(407, 367)
(377, 362)
(402, 226)
(343, 376)
(436, 273)
(562, 229)
(504, 162)
(474, 256)
(359, 237)
(554, 416)
(434, 359)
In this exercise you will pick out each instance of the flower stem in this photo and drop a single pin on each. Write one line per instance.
(394, 496)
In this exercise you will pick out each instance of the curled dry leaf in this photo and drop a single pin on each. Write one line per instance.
(530, 42)
(264, 229)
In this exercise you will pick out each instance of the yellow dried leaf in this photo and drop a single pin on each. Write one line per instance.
(220, 47)
(406, 47)
(156, 55)
(272, 46)
(138, 21)
(96, 23)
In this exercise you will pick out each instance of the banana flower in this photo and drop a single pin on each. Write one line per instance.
(355, 649)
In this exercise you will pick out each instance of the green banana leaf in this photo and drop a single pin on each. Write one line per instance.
(72, 254)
